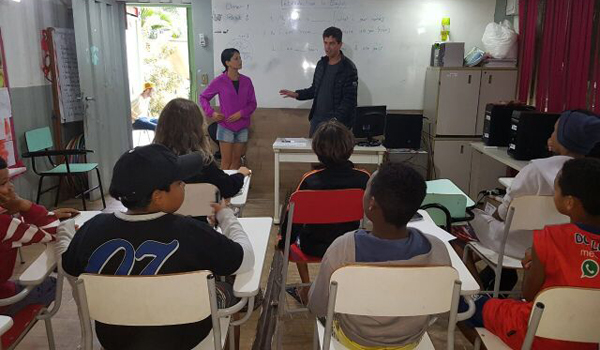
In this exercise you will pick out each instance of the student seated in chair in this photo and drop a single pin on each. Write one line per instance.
(393, 196)
(181, 128)
(562, 255)
(575, 135)
(149, 239)
(333, 144)
(23, 223)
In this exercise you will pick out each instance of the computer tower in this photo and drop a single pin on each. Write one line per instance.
(403, 131)
(497, 122)
(529, 134)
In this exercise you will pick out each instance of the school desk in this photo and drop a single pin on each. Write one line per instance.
(240, 199)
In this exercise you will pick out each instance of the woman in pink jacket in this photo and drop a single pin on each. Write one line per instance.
(237, 101)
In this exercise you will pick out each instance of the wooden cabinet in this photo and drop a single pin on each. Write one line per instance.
(452, 160)
(496, 86)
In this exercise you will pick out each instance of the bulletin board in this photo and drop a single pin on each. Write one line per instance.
(8, 143)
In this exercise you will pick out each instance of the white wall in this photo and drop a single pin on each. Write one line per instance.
(21, 24)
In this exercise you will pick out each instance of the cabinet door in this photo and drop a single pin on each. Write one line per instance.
(457, 104)
(452, 160)
(496, 86)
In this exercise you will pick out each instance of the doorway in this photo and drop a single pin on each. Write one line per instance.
(158, 60)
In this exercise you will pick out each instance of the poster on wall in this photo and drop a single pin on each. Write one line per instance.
(7, 130)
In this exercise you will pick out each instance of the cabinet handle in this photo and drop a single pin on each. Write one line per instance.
(469, 78)
(490, 79)
(462, 149)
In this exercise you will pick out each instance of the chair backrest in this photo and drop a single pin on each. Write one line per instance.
(39, 139)
(327, 206)
(569, 314)
(399, 291)
(535, 212)
(198, 198)
(147, 300)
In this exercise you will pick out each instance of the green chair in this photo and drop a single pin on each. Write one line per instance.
(39, 144)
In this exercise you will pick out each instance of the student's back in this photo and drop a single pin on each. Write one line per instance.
(362, 247)
(181, 128)
(153, 244)
(393, 195)
(315, 239)
(149, 240)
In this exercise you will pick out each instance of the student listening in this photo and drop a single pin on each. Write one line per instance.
(393, 196)
(23, 223)
(333, 144)
(181, 128)
(148, 181)
(575, 135)
(557, 258)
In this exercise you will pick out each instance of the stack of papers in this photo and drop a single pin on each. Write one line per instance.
(292, 142)
(500, 62)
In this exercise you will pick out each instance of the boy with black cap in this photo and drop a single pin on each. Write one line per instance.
(149, 240)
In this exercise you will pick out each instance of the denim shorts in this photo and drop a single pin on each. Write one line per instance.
(226, 135)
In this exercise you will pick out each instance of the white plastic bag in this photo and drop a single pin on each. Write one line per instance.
(500, 40)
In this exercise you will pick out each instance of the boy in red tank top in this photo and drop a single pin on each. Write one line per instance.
(562, 255)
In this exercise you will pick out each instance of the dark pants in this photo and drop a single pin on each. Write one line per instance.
(144, 123)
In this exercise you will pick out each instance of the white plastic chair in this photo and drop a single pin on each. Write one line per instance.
(525, 213)
(198, 198)
(401, 291)
(34, 275)
(5, 324)
(560, 313)
(175, 298)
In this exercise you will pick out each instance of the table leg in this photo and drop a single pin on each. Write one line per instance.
(276, 190)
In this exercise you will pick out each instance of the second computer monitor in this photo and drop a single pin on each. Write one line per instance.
(369, 123)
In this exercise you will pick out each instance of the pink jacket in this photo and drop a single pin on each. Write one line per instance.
(230, 101)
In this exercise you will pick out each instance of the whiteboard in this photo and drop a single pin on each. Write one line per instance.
(280, 42)
(67, 72)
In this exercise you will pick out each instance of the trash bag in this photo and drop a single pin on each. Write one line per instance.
(500, 40)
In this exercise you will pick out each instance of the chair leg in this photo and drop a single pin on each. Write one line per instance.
(60, 180)
(100, 186)
(39, 192)
(50, 334)
(82, 191)
(21, 256)
(316, 337)
(497, 280)
(477, 344)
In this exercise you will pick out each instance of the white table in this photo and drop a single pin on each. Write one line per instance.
(488, 164)
(247, 284)
(300, 151)
(506, 181)
(240, 199)
(469, 284)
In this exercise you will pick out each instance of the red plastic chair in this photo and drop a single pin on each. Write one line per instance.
(316, 207)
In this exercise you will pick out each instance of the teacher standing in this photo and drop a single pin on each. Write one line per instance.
(334, 87)
(237, 101)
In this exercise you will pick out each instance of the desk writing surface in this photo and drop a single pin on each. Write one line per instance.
(469, 284)
(445, 186)
(499, 154)
(258, 229)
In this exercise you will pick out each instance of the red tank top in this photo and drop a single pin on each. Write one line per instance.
(571, 257)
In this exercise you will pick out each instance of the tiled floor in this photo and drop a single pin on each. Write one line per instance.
(298, 332)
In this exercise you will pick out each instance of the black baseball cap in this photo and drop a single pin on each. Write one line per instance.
(140, 171)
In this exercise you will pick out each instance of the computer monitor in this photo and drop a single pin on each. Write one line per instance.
(369, 122)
